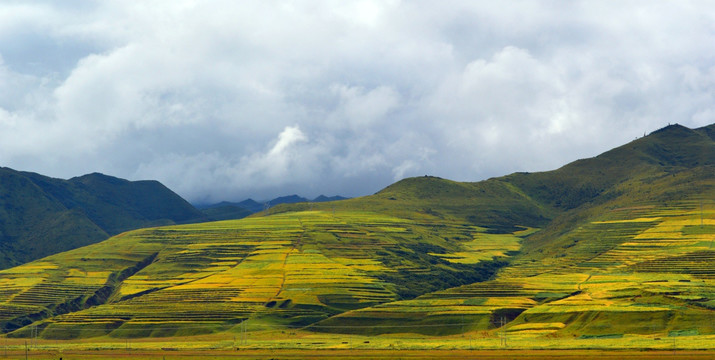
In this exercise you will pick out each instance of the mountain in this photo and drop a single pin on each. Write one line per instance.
(226, 210)
(291, 199)
(251, 205)
(40, 215)
(613, 251)
(323, 198)
(628, 251)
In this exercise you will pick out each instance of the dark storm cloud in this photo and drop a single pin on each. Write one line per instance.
(226, 100)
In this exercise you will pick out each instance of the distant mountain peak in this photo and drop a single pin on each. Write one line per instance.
(671, 128)
(323, 198)
(287, 200)
(97, 177)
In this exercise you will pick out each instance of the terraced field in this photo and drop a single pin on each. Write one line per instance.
(613, 252)
(284, 270)
(646, 270)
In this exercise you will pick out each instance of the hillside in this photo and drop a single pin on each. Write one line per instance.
(619, 247)
(494, 204)
(40, 215)
(631, 238)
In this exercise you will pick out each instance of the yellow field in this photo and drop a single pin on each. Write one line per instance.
(331, 280)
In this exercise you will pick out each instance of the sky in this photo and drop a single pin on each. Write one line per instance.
(226, 100)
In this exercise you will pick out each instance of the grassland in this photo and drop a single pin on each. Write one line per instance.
(305, 345)
(613, 253)
(366, 354)
(316, 280)
(288, 270)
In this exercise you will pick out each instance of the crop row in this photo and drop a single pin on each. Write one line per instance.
(481, 290)
(51, 293)
(701, 263)
(10, 311)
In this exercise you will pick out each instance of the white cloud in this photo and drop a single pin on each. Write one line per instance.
(210, 176)
(225, 100)
(360, 108)
(400, 170)
(282, 161)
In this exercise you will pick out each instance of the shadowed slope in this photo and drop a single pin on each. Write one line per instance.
(41, 215)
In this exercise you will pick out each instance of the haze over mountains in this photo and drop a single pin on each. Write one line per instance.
(616, 245)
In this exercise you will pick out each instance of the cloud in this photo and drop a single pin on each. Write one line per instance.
(287, 162)
(280, 162)
(227, 100)
(360, 108)
(400, 170)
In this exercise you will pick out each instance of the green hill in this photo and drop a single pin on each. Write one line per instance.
(640, 216)
(620, 247)
(493, 204)
(40, 216)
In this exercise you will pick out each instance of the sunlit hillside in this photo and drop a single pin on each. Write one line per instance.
(620, 246)
(292, 269)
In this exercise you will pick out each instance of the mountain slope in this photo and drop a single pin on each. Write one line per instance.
(671, 164)
(293, 269)
(662, 153)
(622, 244)
(631, 250)
(41, 215)
(493, 204)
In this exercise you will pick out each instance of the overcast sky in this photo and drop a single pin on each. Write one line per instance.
(224, 100)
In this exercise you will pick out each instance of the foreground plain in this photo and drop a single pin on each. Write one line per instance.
(369, 354)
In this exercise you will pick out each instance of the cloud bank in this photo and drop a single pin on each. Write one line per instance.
(224, 100)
